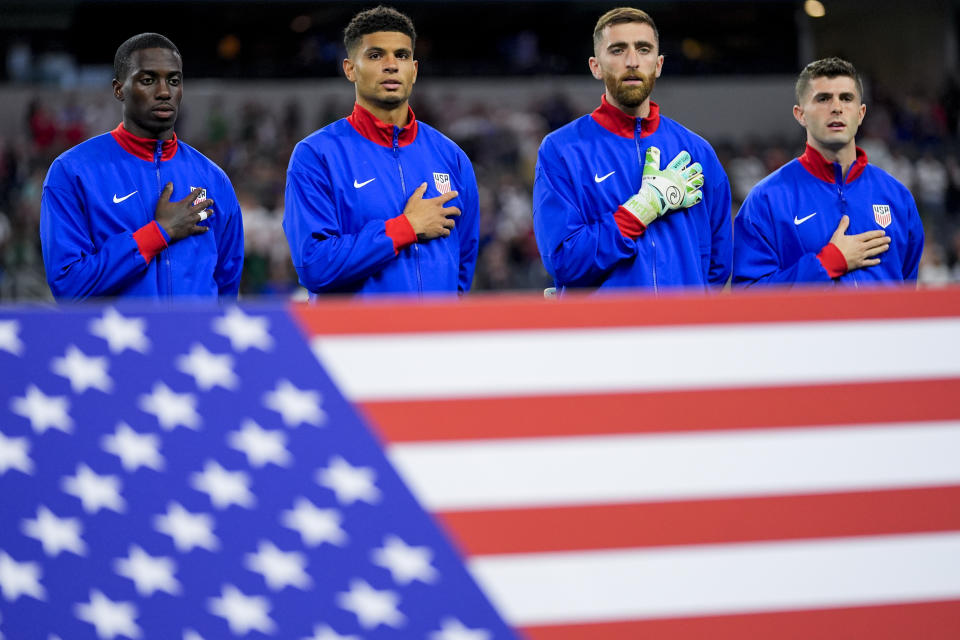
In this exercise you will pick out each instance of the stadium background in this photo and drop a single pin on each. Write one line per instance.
(494, 76)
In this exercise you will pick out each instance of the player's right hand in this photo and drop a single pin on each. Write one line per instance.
(180, 218)
(428, 217)
(860, 250)
(664, 190)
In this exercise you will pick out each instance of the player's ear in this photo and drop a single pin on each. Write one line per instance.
(798, 114)
(348, 68)
(118, 90)
(595, 68)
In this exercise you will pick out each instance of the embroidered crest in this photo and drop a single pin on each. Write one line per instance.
(442, 182)
(881, 213)
(201, 197)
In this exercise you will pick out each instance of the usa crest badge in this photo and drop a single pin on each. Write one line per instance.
(881, 213)
(201, 197)
(442, 182)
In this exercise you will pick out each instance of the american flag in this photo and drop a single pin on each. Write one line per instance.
(776, 465)
(193, 474)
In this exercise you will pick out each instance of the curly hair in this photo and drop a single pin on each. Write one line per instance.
(380, 18)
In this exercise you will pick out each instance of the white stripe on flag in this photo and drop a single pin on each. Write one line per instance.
(473, 364)
(448, 476)
(556, 588)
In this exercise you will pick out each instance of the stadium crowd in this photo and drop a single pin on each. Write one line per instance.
(913, 137)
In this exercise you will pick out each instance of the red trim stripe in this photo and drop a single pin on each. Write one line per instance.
(505, 312)
(667, 411)
(926, 620)
(622, 526)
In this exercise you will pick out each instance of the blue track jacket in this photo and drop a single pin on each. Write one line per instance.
(782, 231)
(347, 186)
(97, 226)
(588, 168)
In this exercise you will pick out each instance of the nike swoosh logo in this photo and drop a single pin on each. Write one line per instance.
(798, 221)
(119, 200)
(357, 185)
(598, 179)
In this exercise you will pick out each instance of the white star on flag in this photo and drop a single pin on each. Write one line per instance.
(14, 454)
(43, 411)
(404, 562)
(349, 483)
(244, 331)
(9, 337)
(171, 408)
(371, 607)
(20, 578)
(83, 371)
(134, 449)
(121, 333)
(95, 492)
(110, 618)
(314, 525)
(224, 487)
(324, 632)
(149, 574)
(279, 568)
(260, 445)
(188, 530)
(453, 629)
(55, 534)
(243, 613)
(208, 369)
(295, 405)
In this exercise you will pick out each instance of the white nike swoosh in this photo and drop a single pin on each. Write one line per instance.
(357, 185)
(798, 221)
(598, 179)
(119, 200)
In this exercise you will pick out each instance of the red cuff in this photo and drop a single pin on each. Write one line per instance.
(150, 240)
(832, 260)
(401, 232)
(628, 223)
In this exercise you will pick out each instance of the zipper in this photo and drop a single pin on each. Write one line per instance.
(653, 243)
(403, 191)
(167, 268)
(838, 174)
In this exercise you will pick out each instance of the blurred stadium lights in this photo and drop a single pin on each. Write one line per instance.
(814, 8)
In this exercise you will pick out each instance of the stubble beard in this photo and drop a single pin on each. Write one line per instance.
(631, 96)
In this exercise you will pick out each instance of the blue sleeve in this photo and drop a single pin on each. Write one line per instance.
(756, 258)
(229, 243)
(325, 258)
(721, 228)
(75, 268)
(576, 250)
(469, 224)
(911, 258)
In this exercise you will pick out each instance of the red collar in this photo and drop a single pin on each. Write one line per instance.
(379, 132)
(615, 121)
(818, 166)
(144, 148)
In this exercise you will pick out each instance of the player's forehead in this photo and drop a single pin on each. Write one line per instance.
(834, 85)
(386, 40)
(155, 60)
(627, 32)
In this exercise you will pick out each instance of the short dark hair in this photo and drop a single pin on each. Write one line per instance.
(380, 18)
(621, 15)
(827, 68)
(121, 61)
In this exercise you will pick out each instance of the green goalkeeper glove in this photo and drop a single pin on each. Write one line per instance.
(676, 187)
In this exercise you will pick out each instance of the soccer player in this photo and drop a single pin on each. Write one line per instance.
(828, 216)
(379, 202)
(131, 213)
(605, 214)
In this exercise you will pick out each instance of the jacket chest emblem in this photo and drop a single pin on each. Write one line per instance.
(442, 182)
(881, 213)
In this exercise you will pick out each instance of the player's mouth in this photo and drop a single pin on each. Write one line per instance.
(836, 125)
(163, 111)
(632, 81)
(391, 85)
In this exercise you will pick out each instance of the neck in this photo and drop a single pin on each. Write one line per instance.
(140, 132)
(845, 155)
(398, 115)
(642, 110)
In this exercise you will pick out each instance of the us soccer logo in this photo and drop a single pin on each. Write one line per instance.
(442, 182)
(201, 197)
(881, 213)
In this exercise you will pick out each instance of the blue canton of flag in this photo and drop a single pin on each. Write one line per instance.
(195, 475)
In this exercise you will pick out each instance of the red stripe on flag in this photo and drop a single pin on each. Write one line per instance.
(616, 413)
(925, 620)
(532, 530)
(480, 313)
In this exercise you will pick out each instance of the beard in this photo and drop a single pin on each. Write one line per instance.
(630, 96)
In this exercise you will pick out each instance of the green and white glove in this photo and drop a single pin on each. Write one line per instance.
(676, 187)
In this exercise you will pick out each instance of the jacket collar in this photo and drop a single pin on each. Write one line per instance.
(144, 148)
(617, 122)
(818, 166)
(379, 132)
